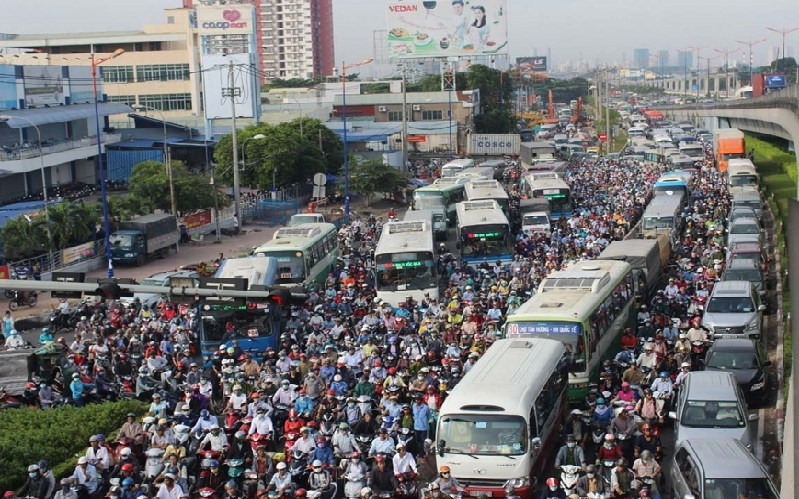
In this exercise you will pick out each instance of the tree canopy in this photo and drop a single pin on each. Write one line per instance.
(149, 184)
(370, 176)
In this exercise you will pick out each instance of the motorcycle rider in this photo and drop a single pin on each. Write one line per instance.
(281, 481)
(212, 477)
(448, 485)
(85, 474)
(609, 451)
(36, 485)
(45, 395)
(381, 479)
(647, 440)
(205, 423)
(343, 441)
(145, 384)
(590, 483)
(570, 454)
(14, 341)
(552, 490)
(621, 480)
(383, 444)
(322, 452)
(66, 491)
(319, 479)
(354, 465)
(646, 467)
(98, 455)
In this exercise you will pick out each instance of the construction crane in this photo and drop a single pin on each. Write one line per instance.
(578, 111)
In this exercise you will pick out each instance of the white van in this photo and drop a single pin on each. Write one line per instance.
(456, 166)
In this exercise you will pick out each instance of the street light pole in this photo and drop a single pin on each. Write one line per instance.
(5, 118)
(783, 32)
(727, 68)
(751, 44)
(344, 69)
(708, 59)
(103, 190)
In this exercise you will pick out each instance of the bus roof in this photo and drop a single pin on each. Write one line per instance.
(485, 189)
(546, 183)
(442, 187)
(257, 271)
(595, 276)
(663, 206)
(299, 236)
(507, 378)
(472, 213)
(565, 304)
(398, 237)
(443, 181)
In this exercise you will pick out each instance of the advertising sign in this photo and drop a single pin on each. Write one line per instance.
(8, 88)
(535, 63)
(44, 85)
(225, 19)
(80, 85)
(417, 138)
(77, 253)
(197, 220)
(775, 81)
(446, 28)
(215, 86)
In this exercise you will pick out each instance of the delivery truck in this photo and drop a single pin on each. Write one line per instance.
(728, 144)
(144, 237)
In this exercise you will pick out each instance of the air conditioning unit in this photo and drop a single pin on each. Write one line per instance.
(382, 109)
(417, 107)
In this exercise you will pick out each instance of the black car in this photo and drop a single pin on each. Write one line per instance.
(747, 360)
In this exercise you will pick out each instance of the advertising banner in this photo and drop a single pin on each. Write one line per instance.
(4, 272)
(417, 138)
(77, 253)
(532, 63)
(8, 88)
(196, 220)
(44, 85)
(215, 86)
(446, 28)
(225, 19)
(80, 85)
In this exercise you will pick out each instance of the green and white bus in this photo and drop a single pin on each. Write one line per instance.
(405, 262)
(445, 192)
(586, 306)
(305, 253)
(483, 190)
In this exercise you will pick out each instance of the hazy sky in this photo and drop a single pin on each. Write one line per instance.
(608, 30)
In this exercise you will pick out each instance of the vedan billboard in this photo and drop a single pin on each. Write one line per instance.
(44, 85)
(430, 28)
(216, 86)
(80, 85)
(225, 19)
(532, 63)
(8, 88)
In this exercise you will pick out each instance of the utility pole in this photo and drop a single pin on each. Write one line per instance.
(727, 68)
(783, 32)
(231, 92)
(404, 167)
(751, 44)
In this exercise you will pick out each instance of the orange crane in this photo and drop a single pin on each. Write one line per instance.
(578, 111)
(551, 108)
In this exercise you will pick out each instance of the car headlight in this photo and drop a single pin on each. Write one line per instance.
(710, 328)
(757, 386)
(753, 326)
(521, 482)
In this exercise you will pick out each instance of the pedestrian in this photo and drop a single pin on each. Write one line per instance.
(8, 324)
(236, 224)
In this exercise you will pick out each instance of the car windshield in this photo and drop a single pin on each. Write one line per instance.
(750, 275)
(120, 240)
(753, 255)
(535, 220)
(153, 282)
(750, 488)
(734, 359)
(730, 305)
(484, 434)
(712, 414)
(744, 229)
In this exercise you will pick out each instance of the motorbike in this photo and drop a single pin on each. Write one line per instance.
(235, 469)
(298, 467)
(20, 298)
(207, 493)
(407, 488)
(352, 488)
(568, 478)
(154, 463)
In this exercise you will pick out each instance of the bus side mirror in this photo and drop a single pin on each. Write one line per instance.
(536, 444)
(441, 445)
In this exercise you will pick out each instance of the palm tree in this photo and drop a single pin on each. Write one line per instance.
(24, 236)
(72, 223)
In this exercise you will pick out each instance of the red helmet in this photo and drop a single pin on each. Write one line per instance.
(127, 467)
(392, 370)
(378, 363)
(293, 413)
(300, 493)
(331, 392)
(552, 482)
(321, 438)
(181, 365)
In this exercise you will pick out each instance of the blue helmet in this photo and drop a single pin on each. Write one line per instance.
(205, 414)
(213, 463)
(127, 482)
(664, 374)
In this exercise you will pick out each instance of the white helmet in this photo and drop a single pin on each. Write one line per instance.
(366, 492)
(316, 464)
(144, 370)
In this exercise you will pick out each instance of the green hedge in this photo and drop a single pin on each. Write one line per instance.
(28, 435)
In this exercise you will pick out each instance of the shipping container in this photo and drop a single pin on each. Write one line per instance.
(492, 144)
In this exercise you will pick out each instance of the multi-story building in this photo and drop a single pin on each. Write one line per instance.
(158, 68)
(685, 59)
(663, 58)
(295, 38)
(640, 58)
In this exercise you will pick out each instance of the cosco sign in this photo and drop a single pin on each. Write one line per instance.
(486, 143)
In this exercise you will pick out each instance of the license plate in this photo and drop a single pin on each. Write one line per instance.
(285, 275)
(478, 493)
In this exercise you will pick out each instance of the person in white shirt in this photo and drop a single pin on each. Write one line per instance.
(647, 357)
(281, 481)
(216, 439)
(383, 444)
(285, 394)
(404, 461)
(237, 399)
(262, 424)
(169, 489)
(85, 474)
(97, 455)
(305, 443)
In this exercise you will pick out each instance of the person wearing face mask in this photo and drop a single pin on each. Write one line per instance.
(36, 485)
(45, 395)
(262, 424)
(609, 451)
(570, 454)
(66, 492)
(645, 467)
(293, 423)
(590, 483)
(205, 422)
(319, 479)
(602, 413)
(448, 485)
(323, 452)
(343, 441)
(552, 490)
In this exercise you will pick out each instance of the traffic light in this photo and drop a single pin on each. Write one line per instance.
(109, 291)
(280, 297)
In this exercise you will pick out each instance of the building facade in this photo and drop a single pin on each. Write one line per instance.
(640, 58)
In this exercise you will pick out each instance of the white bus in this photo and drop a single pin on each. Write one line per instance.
(741, 175)
(405, 262)
(479, 190)
(484, 232)
(456, 166)
(500, 424)
(556, 190)
(305, 253)
(586, 306)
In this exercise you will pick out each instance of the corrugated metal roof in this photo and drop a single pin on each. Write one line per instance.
(389, 99)
(66, 39)
(62, 114)
(393, 127)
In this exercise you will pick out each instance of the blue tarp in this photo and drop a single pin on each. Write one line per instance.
(120, 163)
(24, 206)
(362, 136)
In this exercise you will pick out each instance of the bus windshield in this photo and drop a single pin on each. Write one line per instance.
(290, 266)
(484, 434)
(743, 180)
(401, 272)
(658, 222)
(485, 241)
(559, 199)
(242, 324)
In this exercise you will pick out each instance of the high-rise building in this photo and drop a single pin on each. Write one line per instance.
(685, 59)
(641, 58)
(663, 58)
(295, 37)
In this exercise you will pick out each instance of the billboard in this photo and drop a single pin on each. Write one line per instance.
(225, 19)
(430, 28)
(535, 63)
(80, 85)
(44, 85)
(216, 68)
(8, 88)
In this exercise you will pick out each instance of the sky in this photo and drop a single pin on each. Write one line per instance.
(572, 29)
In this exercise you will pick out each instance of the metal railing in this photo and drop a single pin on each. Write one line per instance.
(54, 261)
(32, 151)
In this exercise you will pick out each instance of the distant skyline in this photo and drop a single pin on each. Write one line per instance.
(590, 31)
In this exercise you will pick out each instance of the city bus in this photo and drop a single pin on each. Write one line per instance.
(505, 415)
(663, 216)
(456, 166)
(477, 173)
(484, 232)
(405, 262)
(444, 193)
(480, 190)
(741, 175)
(555, 190)
(586, 306)
(305, 253)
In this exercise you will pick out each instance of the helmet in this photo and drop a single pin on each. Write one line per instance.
(128, 481)
(213, 463)
(646, 455)
(444, 469)
(552, 482)
(300, 493)
(126, 467)
(609, 437)
(321, 438)
(621, 462)
(293, 413)
(144, 370)
(125, 452)
(434, 486)
(240, 435)
(685, 364)
(600, 400)
(316, 464)
(664, 374)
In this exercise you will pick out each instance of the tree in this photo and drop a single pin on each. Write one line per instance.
(370, 176)
(72, 223)
(787, 66)
(24, 237)
(149, 183)
(327, 140)
(564, 90)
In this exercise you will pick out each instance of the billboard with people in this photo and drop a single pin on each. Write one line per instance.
(449, 28)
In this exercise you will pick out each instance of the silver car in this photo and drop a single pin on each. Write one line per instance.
(734, 310)
(162, 279)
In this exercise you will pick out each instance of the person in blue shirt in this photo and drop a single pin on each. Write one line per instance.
(421, 420)
(78, 388)
(45, 336)
(303, 403)
(323, 452)
(339, 386)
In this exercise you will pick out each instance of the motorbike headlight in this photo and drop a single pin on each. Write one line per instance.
(521, 482)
